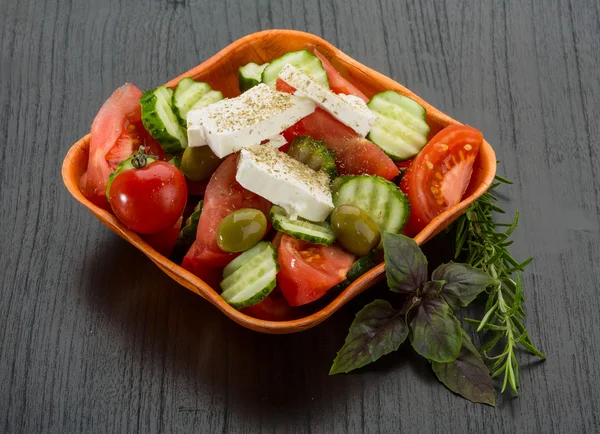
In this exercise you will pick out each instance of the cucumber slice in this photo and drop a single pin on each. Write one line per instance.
(379, 198)
(175, 160)
(314, 154)
(160, 121)
(187, 92)
(364, 264)
(400, 129)
(250, 277)
(304, 60)
(208, 98)
(123, 165)
(316, 233)
(360, 267)
(250, 75)
(187, 235)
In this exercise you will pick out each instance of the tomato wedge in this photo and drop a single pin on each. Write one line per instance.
(196, 188)
(439, 175)
(164, 242)
(272, 308)
(354, 155)
(308, 271)
(117, 133)
(223, 196)
(337, 83)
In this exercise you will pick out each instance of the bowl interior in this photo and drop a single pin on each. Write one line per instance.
(220, 71)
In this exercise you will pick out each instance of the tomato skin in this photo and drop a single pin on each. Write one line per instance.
(196, 188)
(439, 175)
(354, 155)
(149, 200)
(282, 86)
(164, 242)
(116, 134)
(212, 276)
(337, 83)
(272, 308)
(223, 196)
(308, 271)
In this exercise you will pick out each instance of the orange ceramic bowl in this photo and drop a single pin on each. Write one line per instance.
(220, 71)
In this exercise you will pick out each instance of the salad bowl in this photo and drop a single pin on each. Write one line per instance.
(220, 71)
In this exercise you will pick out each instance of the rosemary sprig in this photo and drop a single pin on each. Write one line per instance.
(486, 246)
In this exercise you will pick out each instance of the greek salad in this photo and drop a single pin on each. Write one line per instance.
(280, 195)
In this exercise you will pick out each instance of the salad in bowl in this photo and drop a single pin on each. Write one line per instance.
(276, 194)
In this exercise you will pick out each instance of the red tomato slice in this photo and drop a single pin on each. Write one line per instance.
(117, 132)
(196, 188)
(337, 83)
(439, 175)
(164, 242)
(354, 155)
(277, 240)
(403, 164)
(308, 271)
(223, 196)
(272, 308)
(282, 86)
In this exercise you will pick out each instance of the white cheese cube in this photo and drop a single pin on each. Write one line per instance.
(256, 115)
(284, 181)
(348, 109)
(276, 142)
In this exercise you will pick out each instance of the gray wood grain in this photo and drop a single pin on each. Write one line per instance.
(94, 338)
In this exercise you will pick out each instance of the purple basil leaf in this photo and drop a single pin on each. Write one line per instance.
(377, 330)
(411, 303)
(432, 289)
(467, 375)
(405, 263)
(463, 283)
(435, 331)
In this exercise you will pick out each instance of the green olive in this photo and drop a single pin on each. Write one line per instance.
(241, 230)
(198, 163)
(354, 229)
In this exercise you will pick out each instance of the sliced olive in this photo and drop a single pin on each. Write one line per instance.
(241, 230)
(198, 163)
(354, 229)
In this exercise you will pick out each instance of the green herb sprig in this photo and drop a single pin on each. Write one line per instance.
(486, 246)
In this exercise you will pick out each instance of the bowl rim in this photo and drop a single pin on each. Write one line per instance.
(197, 285)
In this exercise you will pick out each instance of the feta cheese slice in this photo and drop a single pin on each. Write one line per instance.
(284, 181)
(276, 142)
(348, 109)
(256, 115)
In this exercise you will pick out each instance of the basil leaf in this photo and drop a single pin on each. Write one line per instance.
(435, 331)
(377, 330)
(463, 283)
(467, 375)
(432, 289)
(405, 263)
(411, 302)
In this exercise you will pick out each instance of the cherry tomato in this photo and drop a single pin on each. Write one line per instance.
(308, 271)
(439, 175)
(150, 199)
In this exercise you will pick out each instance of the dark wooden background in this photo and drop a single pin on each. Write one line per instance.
(94, 338)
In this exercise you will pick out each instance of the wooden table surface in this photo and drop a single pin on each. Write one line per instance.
(94, 338)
